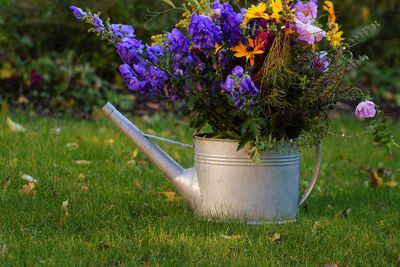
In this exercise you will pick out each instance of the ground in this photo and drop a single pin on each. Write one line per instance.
(122, 211)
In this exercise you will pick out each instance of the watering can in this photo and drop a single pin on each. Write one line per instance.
(225, 183)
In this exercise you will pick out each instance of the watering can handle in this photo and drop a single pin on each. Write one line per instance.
(317, 168)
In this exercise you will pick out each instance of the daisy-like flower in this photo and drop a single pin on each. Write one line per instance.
(277, 8)
(255, 12)
(335, 36)
(254, 48)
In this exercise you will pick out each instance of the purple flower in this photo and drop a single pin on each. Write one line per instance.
(230, 25)
(130, 50)
(216, 5)
(241, 87)
(178, 46)
(78, 13)
(154, 53)
(98, 24)
(365, 109)
(238, 71)
(321, 61)
(309, 33)
(149, 81)
(36, 78)
(178, 43)
(204, 32)
(123, 31)
(306, 12)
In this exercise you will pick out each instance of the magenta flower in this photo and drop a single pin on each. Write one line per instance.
(306, 12)
(365, 109)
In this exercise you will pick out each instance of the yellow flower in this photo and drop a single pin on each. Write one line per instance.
(335, 36)
(255, 12)
(249, 52)
(158, 39)
(331, 10)
(277, 8)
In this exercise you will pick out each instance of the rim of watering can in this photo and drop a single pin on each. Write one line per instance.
(203, 136)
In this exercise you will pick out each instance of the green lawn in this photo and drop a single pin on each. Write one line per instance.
(124, 220)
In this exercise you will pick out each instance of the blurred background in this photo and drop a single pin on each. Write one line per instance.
(51, 64)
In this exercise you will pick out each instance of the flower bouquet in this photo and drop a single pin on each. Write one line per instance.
(261, 74)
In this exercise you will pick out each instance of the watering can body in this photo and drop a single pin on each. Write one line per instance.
(226, 183)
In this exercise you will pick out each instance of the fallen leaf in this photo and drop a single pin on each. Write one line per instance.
(131, 162)
(72, 145)
(28, 178)
(81, 176)
(391, 184)
(15, 127)
(276, 237)
(85, 188)
(110, 141)
(6, 183)
(65, 213)
(231, 237)
(170, 195)
(83, 162)
(346, 213)
(28, 189)
(376, 180)
(134, 154)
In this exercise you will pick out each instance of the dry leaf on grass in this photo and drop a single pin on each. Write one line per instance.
(6, 183)
(85, 188)
(28, 189)
(83, 162)
(276, 237)
(391, 184)
(376, 180)
(131, 162)
(72, 145)
(170, 195)
(231, 237)
(15, 127)
(81, 176)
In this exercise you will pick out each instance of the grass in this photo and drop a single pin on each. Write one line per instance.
(124, 220)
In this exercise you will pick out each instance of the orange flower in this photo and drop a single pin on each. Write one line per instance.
(254, 48)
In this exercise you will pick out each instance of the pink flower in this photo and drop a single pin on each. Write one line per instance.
(365, 109)
(309, 33)
(306, 12)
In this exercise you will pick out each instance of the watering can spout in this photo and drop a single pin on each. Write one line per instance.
(185, 180)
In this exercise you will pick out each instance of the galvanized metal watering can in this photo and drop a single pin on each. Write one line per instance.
(227, 184)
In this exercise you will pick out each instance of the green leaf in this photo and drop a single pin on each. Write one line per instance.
(169, 2)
